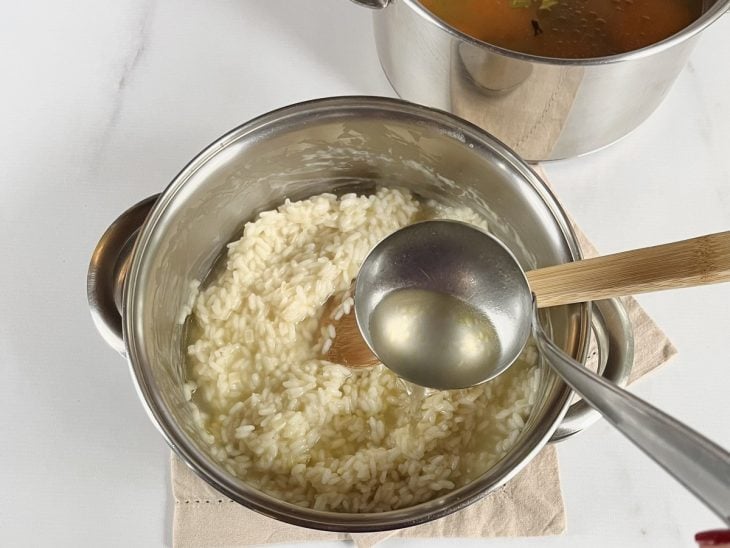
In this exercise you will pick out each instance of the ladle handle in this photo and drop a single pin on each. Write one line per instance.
(696, 462)
(698, 261)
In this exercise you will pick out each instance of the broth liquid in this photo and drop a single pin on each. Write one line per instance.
(422, 330)
(570, 29)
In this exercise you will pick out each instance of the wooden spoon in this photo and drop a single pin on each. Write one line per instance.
(347, 347)
(688, 263)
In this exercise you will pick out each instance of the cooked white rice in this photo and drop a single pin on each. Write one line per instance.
(312, 432)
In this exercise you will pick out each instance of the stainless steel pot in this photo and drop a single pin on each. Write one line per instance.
(544, 109)
(140, 273)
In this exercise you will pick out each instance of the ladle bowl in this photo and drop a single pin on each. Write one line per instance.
(409, 301)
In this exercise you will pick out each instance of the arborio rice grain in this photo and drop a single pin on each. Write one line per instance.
(315, 433)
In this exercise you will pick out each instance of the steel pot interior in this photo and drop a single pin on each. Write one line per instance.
(335, 145)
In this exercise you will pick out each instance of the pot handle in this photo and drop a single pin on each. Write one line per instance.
(373, 4)
(108, 270)
(614, 338)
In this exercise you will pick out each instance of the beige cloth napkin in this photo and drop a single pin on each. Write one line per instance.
(531, 504)
(525, 104)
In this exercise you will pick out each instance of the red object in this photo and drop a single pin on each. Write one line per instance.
(717, 538)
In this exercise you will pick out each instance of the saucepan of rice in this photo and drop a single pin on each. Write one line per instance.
(224, 289)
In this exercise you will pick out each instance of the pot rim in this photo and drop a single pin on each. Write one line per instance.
(706, 19)
(202, 464)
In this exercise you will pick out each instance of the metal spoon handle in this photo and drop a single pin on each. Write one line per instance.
(688, 263)
(696, 462)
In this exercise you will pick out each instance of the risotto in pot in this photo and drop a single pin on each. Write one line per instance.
(315, 433)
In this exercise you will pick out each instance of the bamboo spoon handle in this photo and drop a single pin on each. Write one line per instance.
(698, 261)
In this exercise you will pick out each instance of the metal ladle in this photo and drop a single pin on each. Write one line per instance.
(446, 305)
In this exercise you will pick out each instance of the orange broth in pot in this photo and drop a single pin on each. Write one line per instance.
(567, 29)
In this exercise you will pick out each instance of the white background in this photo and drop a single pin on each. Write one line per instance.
(101, 103)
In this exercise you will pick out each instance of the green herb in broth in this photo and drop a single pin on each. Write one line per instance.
(544, 4)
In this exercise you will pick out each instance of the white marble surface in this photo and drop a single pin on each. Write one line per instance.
(101, 103)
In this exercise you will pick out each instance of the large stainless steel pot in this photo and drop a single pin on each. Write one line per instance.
(140, 273)
(544, 109)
